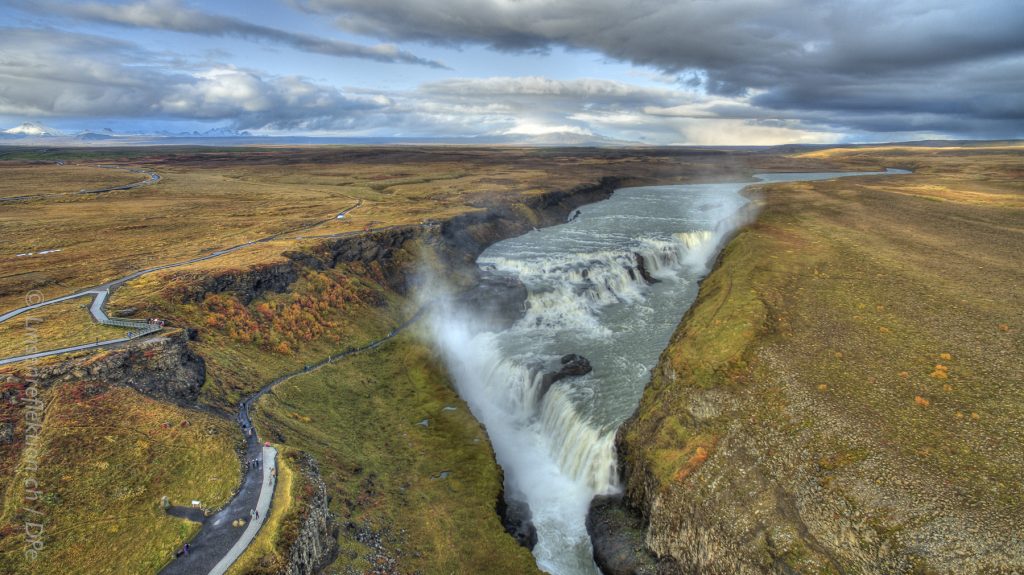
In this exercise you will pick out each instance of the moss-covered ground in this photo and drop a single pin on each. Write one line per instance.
(412, 473)
(871, 329)
(106, 458)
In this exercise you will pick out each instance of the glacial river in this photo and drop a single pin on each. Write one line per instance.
(586, 296)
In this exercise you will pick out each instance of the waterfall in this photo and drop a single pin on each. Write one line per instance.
(610, 284)
(554, 454)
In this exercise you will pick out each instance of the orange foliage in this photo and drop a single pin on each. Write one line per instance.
(700, 455)
(280, 323)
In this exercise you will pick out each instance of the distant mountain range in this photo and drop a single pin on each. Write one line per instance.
(36, 133)
(33, 130)
(32, 133)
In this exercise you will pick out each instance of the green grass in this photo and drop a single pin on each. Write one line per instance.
(359, 418)
(107, 461)
(265, 553)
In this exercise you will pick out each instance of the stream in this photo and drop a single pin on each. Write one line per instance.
(587, 295)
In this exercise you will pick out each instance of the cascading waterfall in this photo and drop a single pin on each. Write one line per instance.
(610, 284)
(555, 453)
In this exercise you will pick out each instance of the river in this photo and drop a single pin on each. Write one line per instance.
(586, 296)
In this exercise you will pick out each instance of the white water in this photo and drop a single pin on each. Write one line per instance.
(586, 296)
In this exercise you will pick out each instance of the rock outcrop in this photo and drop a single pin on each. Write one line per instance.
(641, 266)
(163, 367)
(618, 538)
(497, 302)
(517, 519)
(572, 366)
(382, 249)
(316, 543)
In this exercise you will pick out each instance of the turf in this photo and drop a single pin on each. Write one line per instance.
(107, 459)
(413, 496)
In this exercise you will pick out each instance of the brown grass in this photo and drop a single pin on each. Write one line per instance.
(54, 326)
(896, 280)
(28, 179)
(107, 460)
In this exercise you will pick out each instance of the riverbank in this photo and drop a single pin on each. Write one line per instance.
(844, 396)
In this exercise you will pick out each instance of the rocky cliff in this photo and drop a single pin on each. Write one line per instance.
(833, 403)
(315, 543)
(163, 367)
(466, 236)
(392, 251)
(382, 248)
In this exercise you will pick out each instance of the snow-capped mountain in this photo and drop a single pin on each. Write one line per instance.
(223, 133)
(33, 129)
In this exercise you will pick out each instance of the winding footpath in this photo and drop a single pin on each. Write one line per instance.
(219, 543)
(101, 293)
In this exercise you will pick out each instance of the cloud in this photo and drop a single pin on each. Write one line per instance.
(583, 90)
(178, 17)
(47, 73)
(88, 76)
(947, 64)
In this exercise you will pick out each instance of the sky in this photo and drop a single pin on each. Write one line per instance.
(691, 72)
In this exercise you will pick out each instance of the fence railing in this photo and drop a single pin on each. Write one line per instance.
(142, 327)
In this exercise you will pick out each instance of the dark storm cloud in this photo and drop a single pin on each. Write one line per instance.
(178, 17)
(960, 63)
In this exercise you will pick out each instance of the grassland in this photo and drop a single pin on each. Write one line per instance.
(21, 178)
(52, 327)
(210, 199)
(321, 314)
(855, 355)
(785, 307)
(414, 496)
(108, 456)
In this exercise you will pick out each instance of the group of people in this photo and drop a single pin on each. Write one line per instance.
(253, 463)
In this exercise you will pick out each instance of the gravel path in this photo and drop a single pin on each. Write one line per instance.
(262, 507)
(218, 540)
(102, 292)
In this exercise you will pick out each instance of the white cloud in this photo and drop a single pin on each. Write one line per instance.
(532, 129)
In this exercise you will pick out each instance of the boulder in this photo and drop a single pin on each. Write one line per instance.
(641, 266)
(618, 539)
(573, 365)
(517, 519)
